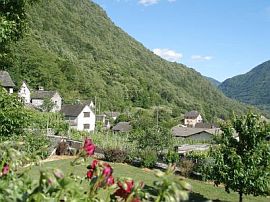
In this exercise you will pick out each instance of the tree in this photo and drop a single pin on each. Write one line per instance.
(243, 165)
(155, 138)
(12, 23)
(13, 115)
(47, 105)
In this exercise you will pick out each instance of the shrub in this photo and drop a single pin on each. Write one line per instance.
(115, 155)
(148, 158)
(172, 157)
(36, 144)
(203, 168)
(186, 167)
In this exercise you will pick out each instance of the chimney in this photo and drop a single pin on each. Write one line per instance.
(41, 88)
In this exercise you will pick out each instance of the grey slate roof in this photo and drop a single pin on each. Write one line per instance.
(122, 127)
(192, 115)
(112, 114)
(205, 125)
(42, 94)
(5, 79)
(187, 132)
(72, 110)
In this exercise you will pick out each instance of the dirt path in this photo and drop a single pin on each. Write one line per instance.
(57, 158)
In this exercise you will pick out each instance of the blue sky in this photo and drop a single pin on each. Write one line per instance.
(218, 38)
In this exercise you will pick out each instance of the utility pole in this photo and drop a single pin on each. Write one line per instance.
(157, 115)
(95, 105)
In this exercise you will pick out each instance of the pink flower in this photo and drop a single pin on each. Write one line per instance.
(5, 169)
(58, 174)
(124, 190)
(110, 180)
(89, 174)
(136, 200)
(107, 171)
(89, 147)
(94, 164)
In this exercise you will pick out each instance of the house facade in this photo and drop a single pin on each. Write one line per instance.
(79, 117)
(6, 81)
(192, 118)
(39, 96)
(25, 93)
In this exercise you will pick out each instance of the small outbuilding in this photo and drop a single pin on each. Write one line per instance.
(6, 81)
(122, 127)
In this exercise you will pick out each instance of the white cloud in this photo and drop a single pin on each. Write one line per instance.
(201, 57)
(148, 2)
(167, 54)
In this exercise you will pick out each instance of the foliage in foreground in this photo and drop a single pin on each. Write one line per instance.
(243, 165)
(55, 186)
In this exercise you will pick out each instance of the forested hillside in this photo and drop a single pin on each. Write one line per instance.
(213, 81)
(74, 47)
(252, 87)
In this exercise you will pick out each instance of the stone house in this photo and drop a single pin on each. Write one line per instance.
(6, 81)
(192, 118)
(79, 117)
(25, 93)
(39, 96)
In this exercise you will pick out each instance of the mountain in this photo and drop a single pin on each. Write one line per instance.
(251, 88)
(73, 46)
(213, 81)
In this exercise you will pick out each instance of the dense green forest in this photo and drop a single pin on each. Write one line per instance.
(73, 46)
(252, 87)
(213, 81)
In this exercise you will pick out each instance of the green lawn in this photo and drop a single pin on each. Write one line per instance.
(201, 191)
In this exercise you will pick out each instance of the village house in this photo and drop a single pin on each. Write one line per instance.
(113, 115)
(192, 118)
(201, 134)
(101, 118)
(39, 96)
(25, 93)
(79, 117)
(6, 81)
(122, 127)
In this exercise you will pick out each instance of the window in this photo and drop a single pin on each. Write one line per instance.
(86, 126)
(86, 114)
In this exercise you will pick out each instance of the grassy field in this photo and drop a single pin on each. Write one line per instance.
(201, 191)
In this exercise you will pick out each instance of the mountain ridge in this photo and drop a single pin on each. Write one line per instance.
(251, 87)
(74, 47)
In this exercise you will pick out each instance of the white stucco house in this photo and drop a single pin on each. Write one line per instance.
(79, 117)
(25, 93)
(6, 81)
(192, 118)
(38, 97)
